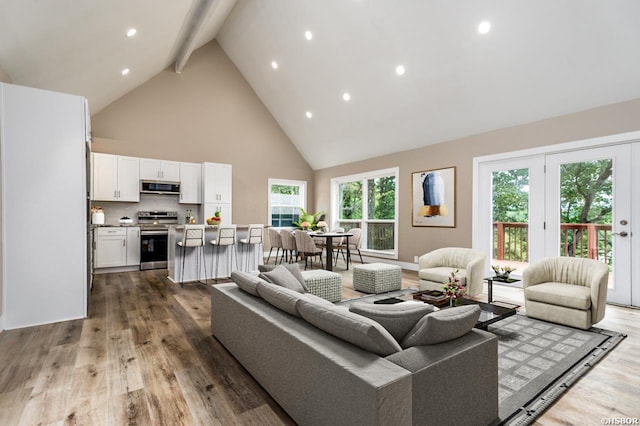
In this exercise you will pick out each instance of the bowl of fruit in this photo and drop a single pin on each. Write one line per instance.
(215, 219)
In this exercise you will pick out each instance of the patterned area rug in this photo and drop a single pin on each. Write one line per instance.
(538, 361)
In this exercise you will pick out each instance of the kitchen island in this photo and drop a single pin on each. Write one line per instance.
(232, 258)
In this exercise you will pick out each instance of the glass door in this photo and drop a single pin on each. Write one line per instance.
(588, 211)
(512, 213)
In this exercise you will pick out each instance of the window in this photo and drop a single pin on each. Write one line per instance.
(369, 201)
(285, 199)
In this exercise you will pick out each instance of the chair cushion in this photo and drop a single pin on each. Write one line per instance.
(355, 329)
(397, 319)
(443, 325)
(282, 277)
(441, 274)
(560, 294)
(246, 282)
(291, 267)
(280, 297)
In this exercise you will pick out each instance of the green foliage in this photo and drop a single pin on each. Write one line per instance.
(351, 200)
(586, 192)
(285, 189)
(381, 198)
(511, 196)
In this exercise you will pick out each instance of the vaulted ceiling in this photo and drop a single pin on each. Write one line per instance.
(540, 59)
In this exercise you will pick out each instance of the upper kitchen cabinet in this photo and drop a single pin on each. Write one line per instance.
(190, 183)
(151, 169)
(115, 178)
(216, 183)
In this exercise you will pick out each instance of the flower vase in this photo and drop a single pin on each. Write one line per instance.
(453, 302)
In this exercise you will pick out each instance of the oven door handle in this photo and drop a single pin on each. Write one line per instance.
(143, 233)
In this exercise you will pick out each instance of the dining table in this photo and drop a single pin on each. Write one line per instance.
(329, 236)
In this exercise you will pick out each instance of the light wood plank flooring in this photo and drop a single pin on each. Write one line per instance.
(145, 356)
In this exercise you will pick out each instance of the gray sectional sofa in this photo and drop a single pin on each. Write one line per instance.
(320, 379)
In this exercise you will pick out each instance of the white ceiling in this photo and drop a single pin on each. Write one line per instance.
(541, 59)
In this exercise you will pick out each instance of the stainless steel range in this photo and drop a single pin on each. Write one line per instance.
(154, 237)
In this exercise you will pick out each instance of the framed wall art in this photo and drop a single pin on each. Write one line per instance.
(433, 198)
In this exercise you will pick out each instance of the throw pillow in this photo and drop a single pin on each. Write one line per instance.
(282, 277)
(398, 318)
(280, 297)
(355, 329)
(246, 282)
(291, 267)
(446, 324)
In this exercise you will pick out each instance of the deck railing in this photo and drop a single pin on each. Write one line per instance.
(587, 240)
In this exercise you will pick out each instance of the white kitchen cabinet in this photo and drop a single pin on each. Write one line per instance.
(111, 247)
(216, 181)
(115, 177)
(190, 183)
(151, 169)
(216, 191)
(133, 246)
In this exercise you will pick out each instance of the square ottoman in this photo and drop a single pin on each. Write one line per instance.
(325, 284)
(377, 277)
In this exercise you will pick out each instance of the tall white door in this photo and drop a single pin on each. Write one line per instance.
(589, 211)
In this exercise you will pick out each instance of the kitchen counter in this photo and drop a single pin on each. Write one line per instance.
(114, 225)
(232, 258)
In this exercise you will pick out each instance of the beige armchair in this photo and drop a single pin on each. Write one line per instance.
(435, 268)
(566, 290)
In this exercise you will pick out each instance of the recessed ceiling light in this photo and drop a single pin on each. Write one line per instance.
(274, 65)
(308, 35)
(125, 71)
(308, 114)
(484, 27)
(131, 32)
(346, 96)
(400, 70)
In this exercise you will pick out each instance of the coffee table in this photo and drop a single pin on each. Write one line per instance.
(489, 312)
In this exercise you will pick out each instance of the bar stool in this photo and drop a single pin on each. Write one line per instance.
(226, 237)
(254, 237)
(193, 237)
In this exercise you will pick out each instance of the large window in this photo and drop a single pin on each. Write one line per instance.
(285, 199)
(369, 201)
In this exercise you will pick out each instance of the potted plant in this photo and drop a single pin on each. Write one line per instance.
(453, 288)
(502, 272)
(310, 220)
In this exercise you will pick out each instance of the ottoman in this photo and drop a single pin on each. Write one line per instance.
(377, 277)
(325, 284)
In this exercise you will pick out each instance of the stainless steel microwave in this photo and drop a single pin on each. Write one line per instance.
(159, 187)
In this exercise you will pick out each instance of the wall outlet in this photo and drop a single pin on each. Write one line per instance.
(415, 259)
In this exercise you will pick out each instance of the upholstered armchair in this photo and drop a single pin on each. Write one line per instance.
(566, 290)
(435, 268)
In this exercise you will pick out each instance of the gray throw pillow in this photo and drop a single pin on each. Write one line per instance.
(282, 277)
(280, 297)
(246, 282)
(397, 319)
(355, 329)
(446, 324)
(291, 267)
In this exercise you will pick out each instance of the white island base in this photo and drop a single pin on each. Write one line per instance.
(244, 257)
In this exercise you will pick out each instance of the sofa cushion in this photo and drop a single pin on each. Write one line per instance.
(441, 274)
(247, 282)
(356, 329)
(560, 294)
(282, 277)
(317, 299)
(398, 319)
(294, 268)
(280, 297)
(443, 325)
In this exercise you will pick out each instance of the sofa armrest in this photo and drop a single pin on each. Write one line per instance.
(475, 275)
(454, 374)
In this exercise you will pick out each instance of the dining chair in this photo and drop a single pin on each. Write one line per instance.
(306, 246)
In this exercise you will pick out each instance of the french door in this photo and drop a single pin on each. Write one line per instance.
(589, 211)
(579, 202)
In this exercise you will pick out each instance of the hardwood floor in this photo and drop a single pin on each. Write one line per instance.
(145, 356)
